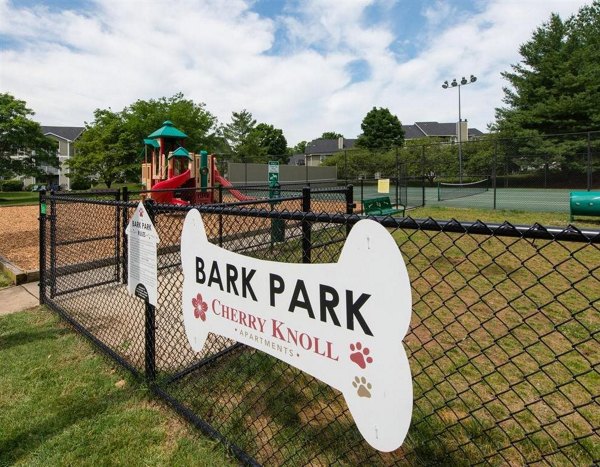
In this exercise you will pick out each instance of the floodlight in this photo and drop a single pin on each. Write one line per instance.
(454, 83)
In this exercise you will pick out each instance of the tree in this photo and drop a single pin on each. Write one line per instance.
(272, 141)
(236, 132)
(104, 151)
(331, 135)
(556, 86)
(23, 147)
(143, 117)
(355, 163)
(112, 147)
(381, 130)
(298, 149)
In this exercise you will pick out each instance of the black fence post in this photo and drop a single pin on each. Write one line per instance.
(42, 246)
(124, 222)
(349, 205)
(346, 165)
(494, 163)
(589, 163)
(545, 170)
(306, 227)
(117, 236)
(150, 319)
(52, 244)
(362, 194)
(397, 177)
(423, 175)
(220, 216)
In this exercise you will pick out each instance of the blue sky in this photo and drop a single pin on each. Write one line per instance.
(304, 66)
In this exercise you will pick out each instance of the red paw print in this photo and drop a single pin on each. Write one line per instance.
(200, 307)
(360, 355)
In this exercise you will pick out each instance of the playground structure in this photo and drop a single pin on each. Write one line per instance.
(176, 176)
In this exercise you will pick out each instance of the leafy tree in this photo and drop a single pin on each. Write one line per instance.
(251, 150)
(236, 132)
(331, 135)
(298, 149)
(381, 130)
(104, 151)
(143, 117)
(111, 148)
(556, 86)
(360, 162)
(23, 147)
(272, 141)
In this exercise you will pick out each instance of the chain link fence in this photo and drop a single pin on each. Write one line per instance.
(503, 345)
(530, 173)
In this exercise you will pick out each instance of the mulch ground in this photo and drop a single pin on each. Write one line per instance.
(19, 236)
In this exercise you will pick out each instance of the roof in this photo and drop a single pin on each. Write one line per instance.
(168, 130)
(423, 129)
(327, 146)
(412, 132)
(437, 129)
(151, 142)
(181, 152)
(296, 159)
(70, 133)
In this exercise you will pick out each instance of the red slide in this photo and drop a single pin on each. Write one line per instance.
(235, 193)
(170, 184)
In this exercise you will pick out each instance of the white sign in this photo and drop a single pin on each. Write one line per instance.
(273, 172)
(341, 322)
(142, 239)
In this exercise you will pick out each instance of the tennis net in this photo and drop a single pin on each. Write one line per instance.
(460, 190)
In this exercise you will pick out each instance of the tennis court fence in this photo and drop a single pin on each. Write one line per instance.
(521, 171)
(504, 342)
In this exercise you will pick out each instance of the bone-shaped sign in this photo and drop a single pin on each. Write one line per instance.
(341, 322)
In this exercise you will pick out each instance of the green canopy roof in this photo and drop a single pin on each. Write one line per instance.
(180, 152)
(168, 130)
(151, 142)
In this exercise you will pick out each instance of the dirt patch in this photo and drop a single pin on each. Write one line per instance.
(19, 236)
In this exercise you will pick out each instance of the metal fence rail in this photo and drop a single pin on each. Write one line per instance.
(504, 343)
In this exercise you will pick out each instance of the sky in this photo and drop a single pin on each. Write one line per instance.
(305, 66)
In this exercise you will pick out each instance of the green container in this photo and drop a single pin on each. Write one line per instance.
(585, 203)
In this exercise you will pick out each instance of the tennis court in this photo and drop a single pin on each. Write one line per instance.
(524, 199)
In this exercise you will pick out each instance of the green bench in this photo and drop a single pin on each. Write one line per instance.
(381, 206)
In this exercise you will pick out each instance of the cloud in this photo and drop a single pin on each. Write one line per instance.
(295, 70)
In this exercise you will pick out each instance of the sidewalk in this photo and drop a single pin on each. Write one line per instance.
(18, 298)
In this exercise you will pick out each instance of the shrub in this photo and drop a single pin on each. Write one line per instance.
(80, 183)
(11, 185)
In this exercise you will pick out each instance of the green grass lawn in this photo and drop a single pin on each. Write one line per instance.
(61, 403)
(498, 325)
(18, 198)
(547, 219)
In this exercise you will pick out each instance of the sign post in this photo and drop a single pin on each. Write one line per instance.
(273, 173)
(142, 240)
(277, 225)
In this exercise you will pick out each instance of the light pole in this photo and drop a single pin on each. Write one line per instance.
(454, 84)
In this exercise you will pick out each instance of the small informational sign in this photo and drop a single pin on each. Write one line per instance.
(142, 240)
(273, 172)
(383, 185)
(342, 323)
